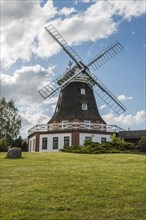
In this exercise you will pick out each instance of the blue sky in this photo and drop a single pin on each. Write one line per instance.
(30, 59)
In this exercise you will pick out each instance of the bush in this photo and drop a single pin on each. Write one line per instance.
(119, 146)
(142, 144)
(88, 141)
(14, 153)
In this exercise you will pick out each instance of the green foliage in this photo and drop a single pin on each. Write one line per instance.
(19, 142)
(115, 146)
(114, 138)
(118, 140)
(88, 141)
(10, 120)
(142, 143)
(3, 145)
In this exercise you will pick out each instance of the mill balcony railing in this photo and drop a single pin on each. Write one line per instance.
(74, 125)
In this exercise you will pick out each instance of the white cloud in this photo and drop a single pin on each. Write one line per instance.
(125, 120)
(19, 28)
(67, 11)
(24, 84)
(31, 116)
(128, 10)
(23, 88)
(86, 1)
(123, 98)
(24, 35)
(102, 106)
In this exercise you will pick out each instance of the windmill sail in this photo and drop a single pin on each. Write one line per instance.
(110, 99)
(72, 74)
(49, 90)
(60, 40)
(105, 94)
(105, 55)
(52, 88)
(99, 88)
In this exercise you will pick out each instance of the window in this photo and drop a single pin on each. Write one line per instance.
(33, 144)
(64, 124)
(83, 91)
(55, 142)
(56, 109)
(30, 145)
(86, 138)
(84, 106)
(44, 143)
(103, 140)
(66, 141)
(86, 124)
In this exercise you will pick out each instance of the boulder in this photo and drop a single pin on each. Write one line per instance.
(14, 153)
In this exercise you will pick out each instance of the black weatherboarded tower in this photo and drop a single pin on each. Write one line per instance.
(76, 103)
(76, 116)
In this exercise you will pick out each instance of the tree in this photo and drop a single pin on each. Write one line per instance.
(20, 143)
(88, 140)
(3, 145)
(10, 121)
(142, 143)
(116, 139)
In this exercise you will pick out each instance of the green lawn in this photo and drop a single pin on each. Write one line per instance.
(63, 186)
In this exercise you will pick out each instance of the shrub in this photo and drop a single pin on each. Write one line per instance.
(142, 143)
(88, 141)
(115, 146)
(14, 153)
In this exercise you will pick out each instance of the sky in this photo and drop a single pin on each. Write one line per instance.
(31, 59)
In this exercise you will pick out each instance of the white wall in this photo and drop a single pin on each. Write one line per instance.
(32, 142)
(50, 141)
(96, 137)
(82, 136)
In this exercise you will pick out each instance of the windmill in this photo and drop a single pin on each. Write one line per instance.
(76, 116)
(80, 74)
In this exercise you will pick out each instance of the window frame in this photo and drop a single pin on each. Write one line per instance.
(44, 143)
(56, 110)
(33, 145)
(30, 145)
(83, 91)
(84, 106)
(86, 137)
(87, 124)
(65, 124)
(67, 141)
(55, 143)
(103, 140)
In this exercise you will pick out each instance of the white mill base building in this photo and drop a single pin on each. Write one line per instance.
(53, 137)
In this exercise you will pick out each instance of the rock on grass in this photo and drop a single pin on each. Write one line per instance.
(14, 153)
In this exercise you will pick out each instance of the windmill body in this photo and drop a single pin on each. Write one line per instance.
(76, 116)
(76, 103)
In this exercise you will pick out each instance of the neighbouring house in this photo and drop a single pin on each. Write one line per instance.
(132, 136)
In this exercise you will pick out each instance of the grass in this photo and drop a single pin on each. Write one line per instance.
(63, 186)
